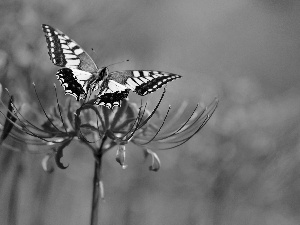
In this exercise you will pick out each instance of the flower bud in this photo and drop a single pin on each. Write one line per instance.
(120, 157)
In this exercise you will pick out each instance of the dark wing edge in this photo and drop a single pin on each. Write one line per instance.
(54, 46)
(113, 99)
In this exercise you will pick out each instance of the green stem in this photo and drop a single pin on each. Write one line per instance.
(96, 184)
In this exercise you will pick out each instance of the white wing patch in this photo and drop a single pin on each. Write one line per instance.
(136, 73)
(72, 62)
(81, 75)
(138, 81)
(131, 84)
(114, 86)
(78, 51)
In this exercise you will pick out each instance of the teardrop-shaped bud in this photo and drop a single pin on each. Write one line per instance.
(45, 164)
(155, 165)
(120, 157)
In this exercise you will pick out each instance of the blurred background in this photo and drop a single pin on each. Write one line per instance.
(242, 168)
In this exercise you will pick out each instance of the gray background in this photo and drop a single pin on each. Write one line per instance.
(242, 168)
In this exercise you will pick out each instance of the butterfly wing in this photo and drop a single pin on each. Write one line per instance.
(111, 94)
(74, 82)
(118, 83)
(142, 82)
(65, 52)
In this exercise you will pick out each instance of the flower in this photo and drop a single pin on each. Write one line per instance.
(172, 131)
(101, 129)
(166, 134)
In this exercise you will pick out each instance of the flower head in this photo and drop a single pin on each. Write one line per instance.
(101, 129)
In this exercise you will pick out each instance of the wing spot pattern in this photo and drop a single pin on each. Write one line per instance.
(70, 56)
(146, 73)
(71, 45)
(78, 51)
(111, 100)
(64, 46)
(72, 62)
(67, 51)
(136, 73)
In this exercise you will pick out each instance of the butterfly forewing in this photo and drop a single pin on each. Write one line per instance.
(65, 52)
(142, 82)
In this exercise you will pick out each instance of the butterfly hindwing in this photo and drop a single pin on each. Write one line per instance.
(112, 99)
(65, 52)
(142, 82)
(70, 83)
(111, 94)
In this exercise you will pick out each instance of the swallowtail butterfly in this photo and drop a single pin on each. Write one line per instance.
(81, 76)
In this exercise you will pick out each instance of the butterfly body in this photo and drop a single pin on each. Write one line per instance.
(80, 75)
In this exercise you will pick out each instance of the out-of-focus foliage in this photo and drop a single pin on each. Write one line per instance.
(243, 167)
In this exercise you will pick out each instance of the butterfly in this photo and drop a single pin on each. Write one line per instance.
(81, 76)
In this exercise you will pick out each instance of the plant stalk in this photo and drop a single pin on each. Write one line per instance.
(96, 191)
(96, 184)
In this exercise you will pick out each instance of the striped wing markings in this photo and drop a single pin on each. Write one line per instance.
(142, 82)
(65, 52)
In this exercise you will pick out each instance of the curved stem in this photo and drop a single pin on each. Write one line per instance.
(97, 184)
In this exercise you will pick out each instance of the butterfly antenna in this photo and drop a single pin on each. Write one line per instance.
(93, 50)
(127, 60)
